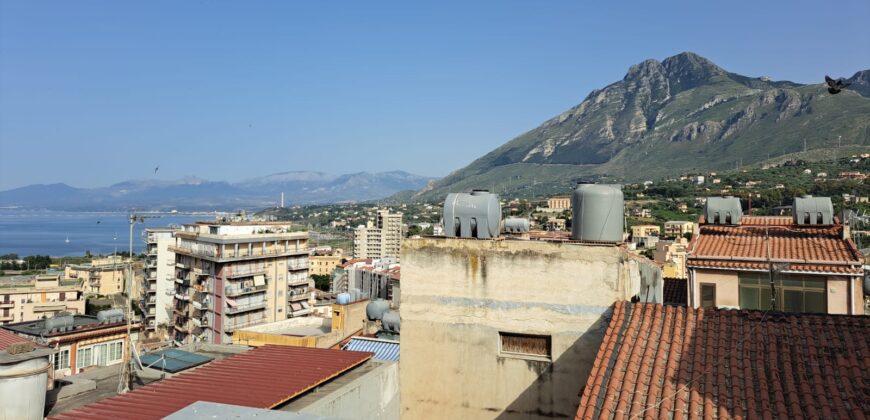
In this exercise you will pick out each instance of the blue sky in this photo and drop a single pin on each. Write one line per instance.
(96, 92)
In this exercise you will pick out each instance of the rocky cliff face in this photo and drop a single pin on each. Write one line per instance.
(671, 116)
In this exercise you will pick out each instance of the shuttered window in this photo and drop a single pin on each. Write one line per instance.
(512, 344)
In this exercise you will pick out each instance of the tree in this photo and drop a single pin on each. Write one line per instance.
(322, 281)
(688, 236)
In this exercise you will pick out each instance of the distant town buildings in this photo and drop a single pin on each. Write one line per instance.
(324, 263)
(678, 228)
(854, 175)
(638, 231)
(375, 279)
(380, 238)
(39, 297)
(562, 202)
(672, 256)
(229, 275)
(103, 276)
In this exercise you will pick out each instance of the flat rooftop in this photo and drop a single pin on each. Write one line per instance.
(305, 326)
(81, 323)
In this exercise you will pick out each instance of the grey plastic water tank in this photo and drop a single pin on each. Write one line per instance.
(472, 215)
(598, 212)
(110, 315)
(390, 321)
(343, 298)
(809, 210)
(723, 211)
(59, 322)
(516, 225)
(376, 308)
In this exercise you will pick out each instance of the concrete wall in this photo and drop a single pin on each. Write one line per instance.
(375, 395)
(839, 289)
(727, 287)
(457, 295)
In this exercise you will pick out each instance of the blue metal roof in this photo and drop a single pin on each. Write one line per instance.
(383, 349)
(172, 360)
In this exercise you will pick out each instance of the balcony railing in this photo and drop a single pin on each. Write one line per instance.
(179, 296)
(235, 326)
(296, 298)
(242, 254)
(245, 308)
(238, 291)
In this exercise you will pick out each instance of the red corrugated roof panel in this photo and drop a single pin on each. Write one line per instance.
(7, 338)
(262, 378)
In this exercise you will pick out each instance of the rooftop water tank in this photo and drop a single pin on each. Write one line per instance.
(376, 308)
(22, 387)
(110, 316)
(343, 298)
(390, 321)
(598, 212)
(59, 322)
(723, 211)
(809, 210)
(516, 225)
(472, 215)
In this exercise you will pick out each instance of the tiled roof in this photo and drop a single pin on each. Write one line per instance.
(766, 220)
(262, 378)
(7, 338)
(674, 362)
(807, 249)
(383, 349)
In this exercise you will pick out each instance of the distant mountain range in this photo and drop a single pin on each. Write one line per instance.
(299, 187)
(679, 115)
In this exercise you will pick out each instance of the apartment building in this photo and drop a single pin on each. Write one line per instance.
(380, 238)
(103, 276)
(640, 231)
(159, 275)
(229, 275)
(324, 261)
(672, 256)
(562, 202)
(374, 278)
(678, 228)
(40, 297)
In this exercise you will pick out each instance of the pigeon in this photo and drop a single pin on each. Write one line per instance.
(835, 86)
(156, 168)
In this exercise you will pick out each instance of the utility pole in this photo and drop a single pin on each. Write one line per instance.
(127, 364)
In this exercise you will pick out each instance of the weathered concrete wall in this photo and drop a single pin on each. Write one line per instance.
(727, 287)
(372, 396)
(457, 295)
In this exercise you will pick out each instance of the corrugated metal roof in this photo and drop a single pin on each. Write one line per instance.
(7, 338)
(383, 349)
(262, 378)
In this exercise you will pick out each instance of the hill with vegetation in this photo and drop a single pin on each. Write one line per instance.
(680, 115)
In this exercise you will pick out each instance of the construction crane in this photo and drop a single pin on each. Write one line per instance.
(126, 376)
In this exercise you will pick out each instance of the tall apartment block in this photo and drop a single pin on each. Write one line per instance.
(39, 297)
(230, 275)
(379, 238)
(157, 288)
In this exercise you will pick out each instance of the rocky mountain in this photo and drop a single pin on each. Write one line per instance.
(198, 194)
(678, 115)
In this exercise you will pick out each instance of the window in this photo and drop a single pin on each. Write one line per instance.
(100, 355)
(512, 345)
(804, 294)
(61, 360)
(115, 351)
(708, 295)
(84, 357)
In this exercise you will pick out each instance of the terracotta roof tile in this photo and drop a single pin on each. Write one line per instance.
(675, 362)
(808, 249)
(7, 338)
(675, 292)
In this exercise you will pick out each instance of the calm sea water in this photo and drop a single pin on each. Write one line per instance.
(46, 232)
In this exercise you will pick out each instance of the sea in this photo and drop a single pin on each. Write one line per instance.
(64, 234)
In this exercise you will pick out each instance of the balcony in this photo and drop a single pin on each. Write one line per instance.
(233, 327)
(6, 318)
(239, 291)
(243, 254)
(298, 282)
(49, 308)
(245, 308)
(179, 296)
(183, 282)
(293, 267)
(4, 305)
(241, 274)
(298, 297)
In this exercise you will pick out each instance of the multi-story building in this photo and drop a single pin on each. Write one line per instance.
(676, 229)
(672, 256)
(562, 202)
(230, 275)
(103, 276)
(379, 238)
(40, 297)
(528, 316)
(323, 262)
(639, 231)
(81, 341)
(374, 278)
(159, 276)
(772, 261)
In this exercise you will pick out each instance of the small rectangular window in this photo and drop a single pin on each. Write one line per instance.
(708, 295)
(512, 344)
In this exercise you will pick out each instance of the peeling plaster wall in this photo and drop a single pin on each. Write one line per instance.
(457, 295)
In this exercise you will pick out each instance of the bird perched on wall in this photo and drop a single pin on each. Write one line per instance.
(835, 86)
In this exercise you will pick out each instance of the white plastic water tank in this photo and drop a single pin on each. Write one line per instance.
(22, 389)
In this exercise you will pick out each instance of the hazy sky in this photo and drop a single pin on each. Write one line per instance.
(96, 92)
